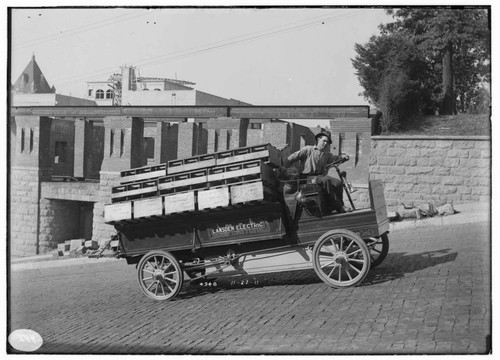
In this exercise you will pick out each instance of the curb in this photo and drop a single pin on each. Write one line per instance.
(43, 264)
(456, 219)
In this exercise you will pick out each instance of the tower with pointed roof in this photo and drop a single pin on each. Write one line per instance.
(32, 80)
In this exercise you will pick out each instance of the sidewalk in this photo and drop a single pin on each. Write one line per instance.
(466, 214)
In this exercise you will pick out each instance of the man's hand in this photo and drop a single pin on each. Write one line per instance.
(344, 156)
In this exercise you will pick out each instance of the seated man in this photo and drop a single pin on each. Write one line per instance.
(312, 161)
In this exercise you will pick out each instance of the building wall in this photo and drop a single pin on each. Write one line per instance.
(255, 137)
(276, 133)
(432, 169)
(300, 136)
(164, 98)
(99, 85)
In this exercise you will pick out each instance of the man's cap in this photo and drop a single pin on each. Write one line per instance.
(318, 135)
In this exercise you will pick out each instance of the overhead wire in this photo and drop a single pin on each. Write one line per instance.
(282, 29)
(77, 30)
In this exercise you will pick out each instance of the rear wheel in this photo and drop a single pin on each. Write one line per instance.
(341, 258)
(379, 248)
(160, 275)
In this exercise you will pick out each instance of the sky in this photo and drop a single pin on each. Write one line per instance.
(262, 56)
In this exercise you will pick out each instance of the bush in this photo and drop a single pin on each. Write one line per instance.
(400, 100)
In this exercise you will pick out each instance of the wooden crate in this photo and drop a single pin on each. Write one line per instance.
(143, 173)
(148, 207)
(188, 180)
(250, 170)
(118, 211)
(134, 191)
(260, 152)
(178, 203)
(213, 198)
(91, 244)
(253, 191)
(190, 164)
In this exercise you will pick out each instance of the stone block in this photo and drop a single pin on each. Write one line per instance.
(61, 248)
(451, 163)
(420, 170)
(470, 198)
(385, 160)
(424, 145)
(463, 144)
(442, 171)
(458, 153)
(405, 161)
(65, 247)
(480, 191)
(477, 153)
(422, 188)
(443, 144)
(396, 152)
(453, 180)
(436, 153)
(464, 190)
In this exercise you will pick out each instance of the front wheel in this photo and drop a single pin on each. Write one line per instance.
(160, 275)
(341, 258)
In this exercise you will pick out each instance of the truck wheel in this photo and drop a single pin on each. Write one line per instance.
(160, 275)
(341, 258)
(379, 248)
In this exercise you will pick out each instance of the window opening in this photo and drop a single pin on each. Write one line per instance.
(149, 147)
(99, 94)
(60, 152)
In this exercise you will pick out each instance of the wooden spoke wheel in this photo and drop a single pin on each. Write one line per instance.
(379, 248)
(341, 258)
(160, 275)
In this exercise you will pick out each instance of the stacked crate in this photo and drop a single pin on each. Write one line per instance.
(225, 179)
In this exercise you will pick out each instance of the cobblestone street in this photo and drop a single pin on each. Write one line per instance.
(430, 296)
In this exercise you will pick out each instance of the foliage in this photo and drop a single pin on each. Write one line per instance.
(454, 125)
(393, 75)
(426, 33)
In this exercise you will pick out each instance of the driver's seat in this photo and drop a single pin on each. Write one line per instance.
(312, 198)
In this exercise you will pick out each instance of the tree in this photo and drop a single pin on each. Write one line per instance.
(394, 76)
(459, 37)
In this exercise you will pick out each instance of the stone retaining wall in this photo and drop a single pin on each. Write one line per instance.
(100, 230)
(432, 169)
(24, 210)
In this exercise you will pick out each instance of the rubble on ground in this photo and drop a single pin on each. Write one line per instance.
(91, 248)
(422, 210)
